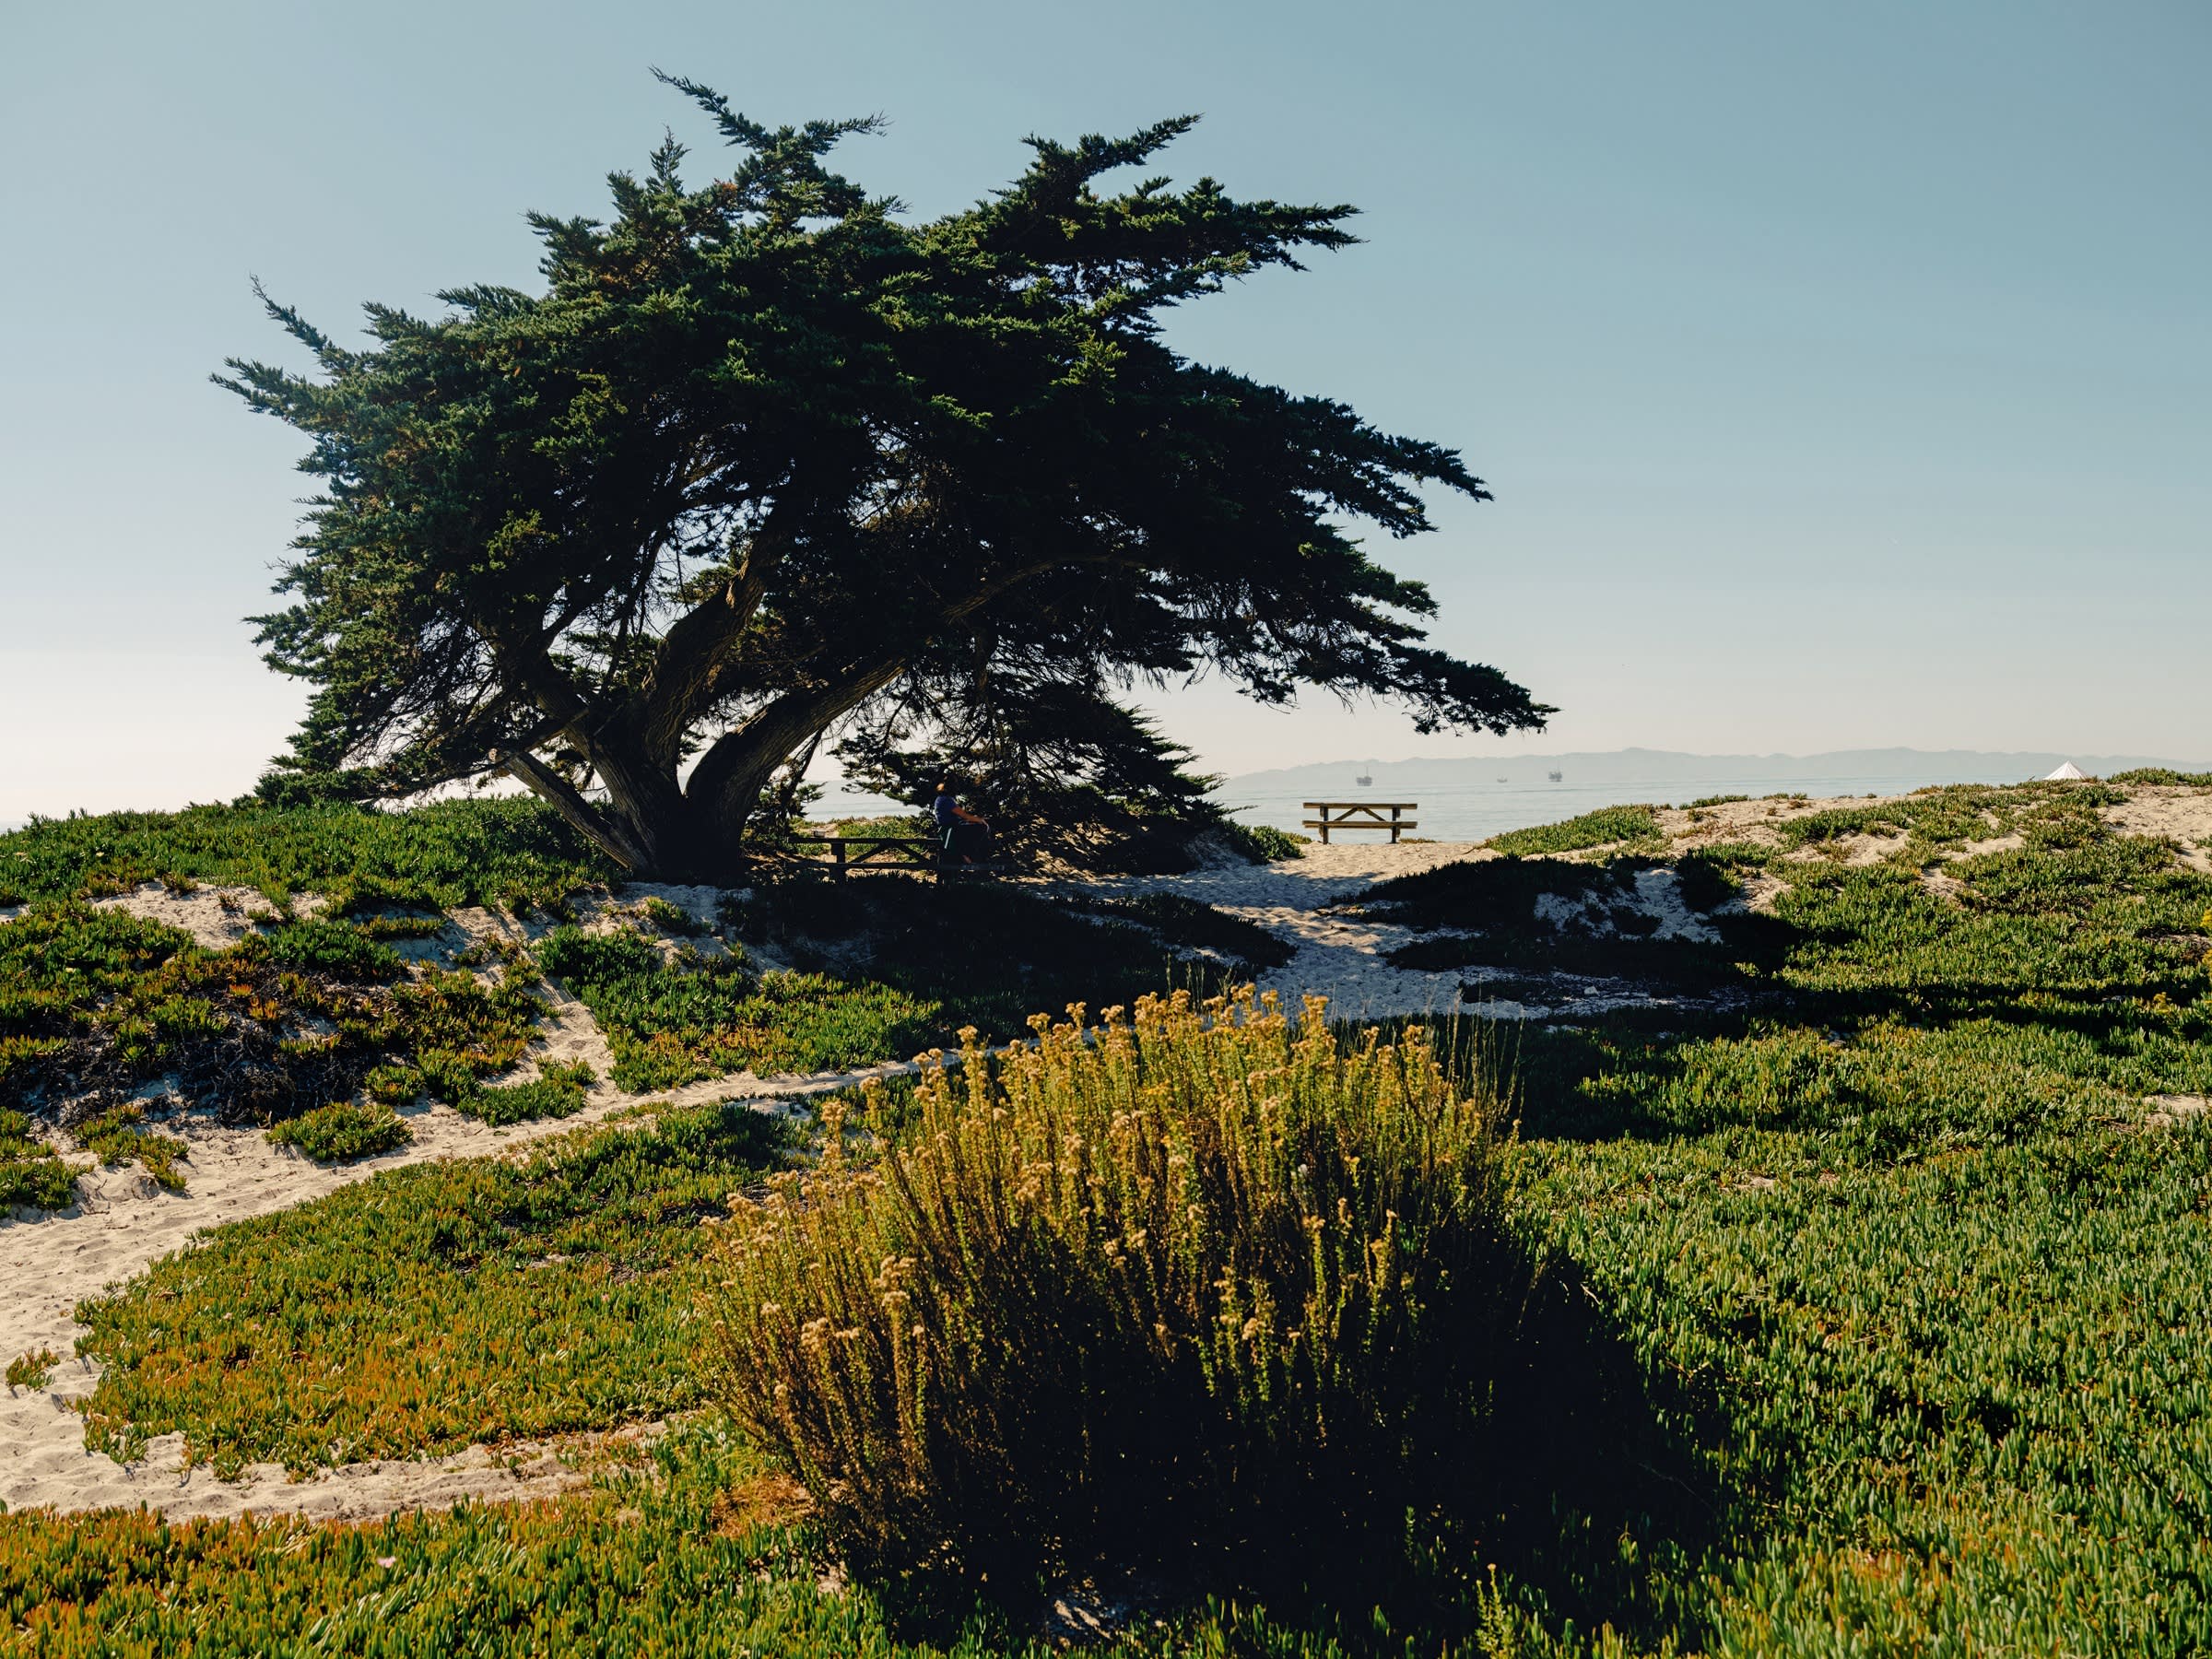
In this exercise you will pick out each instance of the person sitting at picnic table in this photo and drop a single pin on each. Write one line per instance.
(965, 835)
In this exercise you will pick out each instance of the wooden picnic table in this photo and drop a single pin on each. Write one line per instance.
(1362, 815)
(892, 852)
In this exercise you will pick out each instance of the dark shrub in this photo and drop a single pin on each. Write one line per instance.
(1180, 1286)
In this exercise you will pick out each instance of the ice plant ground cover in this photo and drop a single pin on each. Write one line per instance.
(1908, 1242)
(434, 1306)
(339, 984)
(1871, 1308)
(482, 852)
(102, 1012)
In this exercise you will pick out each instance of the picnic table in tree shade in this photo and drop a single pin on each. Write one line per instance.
(1361, 815)
(894, 853)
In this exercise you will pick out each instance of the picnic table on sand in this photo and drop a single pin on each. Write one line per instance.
(1361, 815)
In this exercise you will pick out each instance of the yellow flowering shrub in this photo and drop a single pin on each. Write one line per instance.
(1193, 1276)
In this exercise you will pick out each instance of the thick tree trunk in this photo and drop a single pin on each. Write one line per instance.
(657, 832)
(724, 790)
(609, 835)
(697, 833)
(647, 808)
(644, 824)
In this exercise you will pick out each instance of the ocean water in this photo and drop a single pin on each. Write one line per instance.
(1464, 799)
(1468, 812)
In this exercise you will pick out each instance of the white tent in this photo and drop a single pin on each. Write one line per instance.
(2066, 769)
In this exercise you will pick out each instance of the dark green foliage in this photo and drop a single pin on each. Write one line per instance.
(398, 926)
(98, 1003)
(70, 975)
(1718, 800)
(433, 1306)
(335, 949)
(1264, 843)
(2068, 927)
(118, 1136)
(1728, 857)
(1872, 1318)
(1933, 819)
(392, 1084)
(1491, 907)
(762, 458)
(673, 919)
(673, 1022)
(891, 969)
(57, 956)
(486, 852)
(581, 958)
(1494, 892)
(32, 1176)
(544, 1097)
(1812, 828)
(100, 999)
(1907, 1286)
(1707, 879)
(1052, 767)
(1935, 1387)
(1635, 825)
(341, 1130)
(988, 956)
(1495, 987)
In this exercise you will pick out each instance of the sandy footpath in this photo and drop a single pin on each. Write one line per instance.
(123, 1224)
(1341, 956)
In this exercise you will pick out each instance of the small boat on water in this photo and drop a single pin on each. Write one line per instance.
(1365, 783)
(1554, 776)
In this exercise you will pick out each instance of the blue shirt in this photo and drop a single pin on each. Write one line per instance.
(945, 810)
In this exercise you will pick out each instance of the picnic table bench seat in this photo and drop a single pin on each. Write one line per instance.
(1362, 815)
(895, 853)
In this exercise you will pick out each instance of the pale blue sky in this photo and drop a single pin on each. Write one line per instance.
(1844, 373)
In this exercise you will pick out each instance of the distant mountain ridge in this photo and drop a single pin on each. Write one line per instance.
(1671, 766)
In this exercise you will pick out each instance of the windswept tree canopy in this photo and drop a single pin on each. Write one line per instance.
(765, 459)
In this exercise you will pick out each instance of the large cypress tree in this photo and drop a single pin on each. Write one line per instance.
(766, 458)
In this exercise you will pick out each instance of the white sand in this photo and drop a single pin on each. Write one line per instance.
(218, 917)
(359, 1491)
(1341, 956)
(2168, 1111)
(2180, 812)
